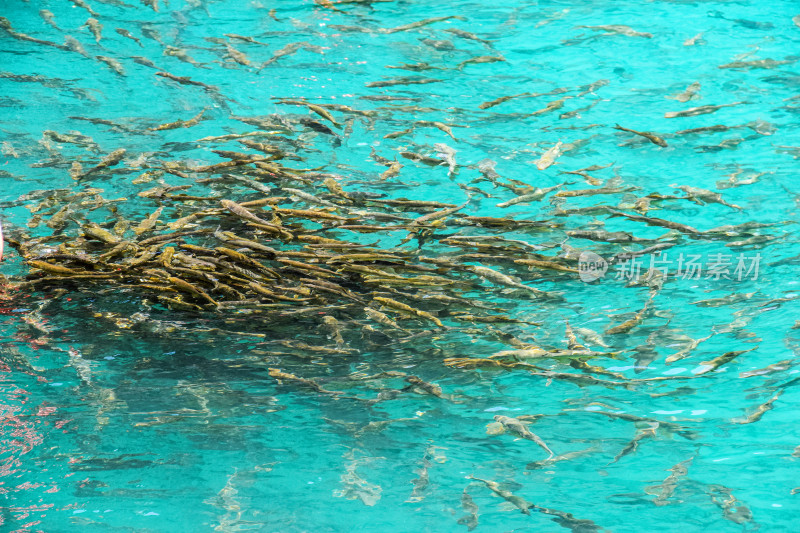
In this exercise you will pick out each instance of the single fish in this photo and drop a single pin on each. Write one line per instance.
(113, 64)
(84, 5)
(631, 323)
(697, 39)
(96, 28)
(702, 110)
(759, 63)
(517, 501)
(516, 427)
(129, 35)
(421, 23)
(709, 366)
(498, 101)
(480, 59)
(467, 35)
(647, 135)
(549, 157)
(471, 518)
(73, 44)
(758, 412)
(620, 29)
(48, 17)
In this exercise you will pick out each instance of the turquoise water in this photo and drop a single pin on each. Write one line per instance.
(120, 414)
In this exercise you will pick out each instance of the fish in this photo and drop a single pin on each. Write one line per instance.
(52, 269)
(439, 125)
(189, 288)
(697, 39)
(404, 80)
(287, 50)
(705, 195)
(73, 138)
(471, 518)
(392, 171)
(653, 221)
(732, 509)
(603, 236)
(498, 101)
(448, 155)
(96, 28)
(633, 445)
(108, 161)
(758, 63)
(759, 411)
(428, 388)
(397, 134)
(420, 23)
(631, 323)
(705, 129)
(430, 161)
(517, 501)
(48, 16)
(726, 300)
(690, 93)
(620, 29)
(591, 88)
(281, 376)
(577, 112)
(479, 59)
(2, 241)
(713, 364)
(179, 123)
(334, 330)
(628, 255)
(113, 64)
(151, 33)
(591, 336)
(182, 55)
(535, 465)
(438, 44)
(655, 139)
(497, 277)
(702, 110)
(354, 487)
(244, 38)
(572, 340)
(551, 106)
(149, 222)
(394, 304)
(129, 35)
(73, 44)
(555, 16)
(84, 5)
(467, 35)
(687, 350)
(666, 489)
(382, 319)
(549, 157)
(775, 367)
(237, 55)
(516, 427)
(750, 24)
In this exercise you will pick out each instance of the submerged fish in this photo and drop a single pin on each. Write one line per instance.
(702, 110)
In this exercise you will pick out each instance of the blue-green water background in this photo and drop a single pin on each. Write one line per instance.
(227, 423)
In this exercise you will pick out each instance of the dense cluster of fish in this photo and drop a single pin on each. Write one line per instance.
(261, 232)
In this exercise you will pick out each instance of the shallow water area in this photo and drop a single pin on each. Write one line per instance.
(289, 390)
